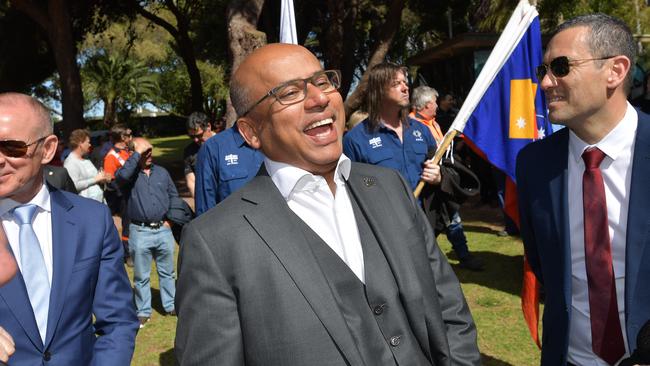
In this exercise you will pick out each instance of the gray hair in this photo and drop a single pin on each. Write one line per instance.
(608, 36)
(198, 120)
(41, 111)
(423, 95)
(239, 96)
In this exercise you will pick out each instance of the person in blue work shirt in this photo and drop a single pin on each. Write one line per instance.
(149, 189)
(224, 164)
(388, 137)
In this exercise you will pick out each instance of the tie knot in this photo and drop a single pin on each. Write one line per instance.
(25, 213)
(593, 157)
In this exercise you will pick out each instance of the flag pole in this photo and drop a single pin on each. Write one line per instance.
(512, 33)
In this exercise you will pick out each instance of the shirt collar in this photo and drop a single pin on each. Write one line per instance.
(289, 178)
(42, 200)
(616, 141)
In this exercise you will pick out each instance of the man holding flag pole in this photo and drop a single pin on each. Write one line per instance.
(503, 112)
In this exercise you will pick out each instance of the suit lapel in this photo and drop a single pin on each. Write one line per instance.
(15, 296)
(64, 247)
(366, 190)
(638, 221)
(279, 227)
(558, 177)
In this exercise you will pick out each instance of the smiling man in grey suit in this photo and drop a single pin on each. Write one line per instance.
(317, 261)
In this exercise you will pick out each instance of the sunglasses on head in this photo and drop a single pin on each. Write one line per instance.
(16, 148)
(560, 66)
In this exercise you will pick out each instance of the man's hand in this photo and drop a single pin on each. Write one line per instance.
(7, 261)
(141, 145)
(431, 173)
(7, 345)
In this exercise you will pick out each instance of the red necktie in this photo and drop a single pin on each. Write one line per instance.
(606, 335)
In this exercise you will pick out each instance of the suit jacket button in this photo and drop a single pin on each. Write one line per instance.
(379, 309)
(47, 355)
(395, 341)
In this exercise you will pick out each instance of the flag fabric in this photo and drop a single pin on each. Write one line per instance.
(504, 111)
(287, 23)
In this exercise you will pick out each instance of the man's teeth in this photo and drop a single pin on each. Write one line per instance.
(554, 99)
(326, 121)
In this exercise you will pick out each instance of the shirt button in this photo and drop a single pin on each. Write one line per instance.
(395, 341)
(379, 309)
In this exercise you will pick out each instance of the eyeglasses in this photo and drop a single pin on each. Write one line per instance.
(16, 148)
(560, 66)
(295, 91)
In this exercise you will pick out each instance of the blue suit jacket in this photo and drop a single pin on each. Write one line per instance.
(88, 279)
(542, 188)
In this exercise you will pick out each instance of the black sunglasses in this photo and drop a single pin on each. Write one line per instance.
(16, 148)
(560, 66)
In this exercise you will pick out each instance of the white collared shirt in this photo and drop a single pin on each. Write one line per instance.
(330, 216)
(42, 225)
(616, 169)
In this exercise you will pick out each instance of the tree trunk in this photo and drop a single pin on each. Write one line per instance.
(186, 51)
(243, 38)
(340, 42)
(57, 24)
(110, 112)
(390, 28)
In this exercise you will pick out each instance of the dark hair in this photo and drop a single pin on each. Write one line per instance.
(117, 132)
(379, 79)
(608, 36)
(198, 120)
(77, 137)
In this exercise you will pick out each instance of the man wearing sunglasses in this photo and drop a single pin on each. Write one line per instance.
(584, 197)
(71, 302)
(317, 261)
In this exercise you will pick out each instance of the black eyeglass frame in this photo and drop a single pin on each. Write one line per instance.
(24, 146)
(273, 92)
(555, 65)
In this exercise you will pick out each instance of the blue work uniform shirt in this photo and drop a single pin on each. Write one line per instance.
(148, 196)
(383, 147)
(224, 164)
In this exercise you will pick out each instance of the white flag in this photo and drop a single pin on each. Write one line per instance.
(288, 23)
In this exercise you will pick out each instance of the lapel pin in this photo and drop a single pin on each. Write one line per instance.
(369, 181)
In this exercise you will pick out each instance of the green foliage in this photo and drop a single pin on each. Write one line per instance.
(121, 83)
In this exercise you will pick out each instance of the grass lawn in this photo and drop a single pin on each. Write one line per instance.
(493, 295)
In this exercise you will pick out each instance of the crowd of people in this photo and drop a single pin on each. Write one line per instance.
(309, 247)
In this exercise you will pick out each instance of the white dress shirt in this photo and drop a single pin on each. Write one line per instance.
(330, 216)
(42, 225)
(616, 169)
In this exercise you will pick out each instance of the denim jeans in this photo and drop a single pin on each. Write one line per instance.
(146, 244)
(456, 236)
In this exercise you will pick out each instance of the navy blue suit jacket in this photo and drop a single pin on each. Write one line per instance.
(88, 280)
(542, 178)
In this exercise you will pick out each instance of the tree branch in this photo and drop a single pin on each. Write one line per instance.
(34, 11)
(156, 19)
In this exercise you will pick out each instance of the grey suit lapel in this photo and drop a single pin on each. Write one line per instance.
(278, 226)
(369, 194)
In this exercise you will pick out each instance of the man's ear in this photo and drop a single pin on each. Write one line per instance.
(248, 129)
(620, 68)
(50, 144)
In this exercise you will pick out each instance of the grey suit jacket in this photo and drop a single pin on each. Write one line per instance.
(250, 291)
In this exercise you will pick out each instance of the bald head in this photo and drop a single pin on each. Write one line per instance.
(258, 63)
(41, 115)
(25, 121)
